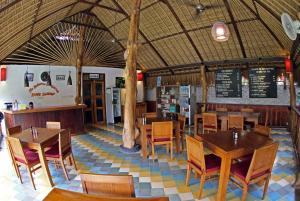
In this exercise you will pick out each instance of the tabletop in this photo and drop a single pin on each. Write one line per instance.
(57, 194)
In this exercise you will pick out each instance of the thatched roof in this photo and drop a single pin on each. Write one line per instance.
(170, 33)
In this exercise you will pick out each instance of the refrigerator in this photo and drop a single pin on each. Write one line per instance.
(113, 105)
(187, 102)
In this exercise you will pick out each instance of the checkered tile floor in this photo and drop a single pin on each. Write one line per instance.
(98, 152)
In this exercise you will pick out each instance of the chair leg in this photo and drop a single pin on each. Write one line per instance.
(168, 148)
(182, 141)
(64, 169)
(245, 191)
(202, 181)
(152, 144)
(73, 161)
(188, 175)
(31, 178)
(19, 174)
(266, 187)
(171, 147)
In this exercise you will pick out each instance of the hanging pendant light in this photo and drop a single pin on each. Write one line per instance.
(26, 81)
(49, 82)
(69, 82)
(220, 32)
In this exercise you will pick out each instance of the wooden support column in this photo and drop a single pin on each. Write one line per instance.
(130, 77)
(204, 87)
(80, 47)
(293, 120)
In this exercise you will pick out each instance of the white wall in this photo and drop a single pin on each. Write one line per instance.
(13, 88)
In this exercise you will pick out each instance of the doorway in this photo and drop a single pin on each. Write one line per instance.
(94, 98)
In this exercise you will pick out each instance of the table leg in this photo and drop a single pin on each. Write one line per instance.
(223, 124)
(177, 133)
(144, 142)
(224, 177)
(195, 125)
(45, 167)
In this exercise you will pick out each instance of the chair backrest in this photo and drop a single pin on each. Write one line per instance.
(108, 185)
(64, 141)
(262, 160)
(247, 110)
(16, 149)
(235, 121)
(195, 152)
(182, 120)
(221, 109)
(262, 130)
(14, 130)
(53, 125)
(149, 115)
(162, 130)
(209, 121)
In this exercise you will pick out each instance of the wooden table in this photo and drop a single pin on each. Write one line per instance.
(146, 126)
(46, 137)
(223, 145)
(57, 194)
(223, 116)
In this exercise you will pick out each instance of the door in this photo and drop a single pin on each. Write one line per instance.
(94, 98)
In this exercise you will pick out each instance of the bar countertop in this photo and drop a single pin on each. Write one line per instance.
(44, 109)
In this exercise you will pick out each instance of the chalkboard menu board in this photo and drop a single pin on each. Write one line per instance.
(228, 83)
(262, 83)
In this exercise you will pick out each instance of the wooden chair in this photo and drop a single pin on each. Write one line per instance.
(19, 157)
(267, 118)
(53, 125)
(262, 130)
(108, 185)
(59, 152)
(203, 165)
(235, 121)
(247, 110)
(182, 120)
(257, 169)
(210, 122)
(162, 133)
(14, 130)
(221, 109)
(149, 115)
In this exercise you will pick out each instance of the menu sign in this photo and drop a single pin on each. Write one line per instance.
(228, 83)
(262, 83)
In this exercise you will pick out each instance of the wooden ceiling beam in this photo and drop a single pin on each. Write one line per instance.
(183, 28)
(264, 24)
(267, 8)
(9, 5)
(295, 45)
(144, 36)
(96, 4)
(34, 18)
(235, 27)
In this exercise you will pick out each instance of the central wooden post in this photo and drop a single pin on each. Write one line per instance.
(204, 87)
(130, 78)
(80, 47)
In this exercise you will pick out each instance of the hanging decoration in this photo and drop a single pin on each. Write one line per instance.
(220, 32)
(26, 81)
(49, 82)
(140, 76)
(3, 73)
(69, 82)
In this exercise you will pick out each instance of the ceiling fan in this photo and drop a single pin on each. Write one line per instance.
(199, 7)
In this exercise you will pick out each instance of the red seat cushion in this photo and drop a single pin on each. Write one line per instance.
(53, 152)
(32, 157)
(212, 163)
(209, 126)
(241, 169)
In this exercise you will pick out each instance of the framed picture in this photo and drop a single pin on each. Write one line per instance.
(120, 82)
(30, 77)
(60, 77)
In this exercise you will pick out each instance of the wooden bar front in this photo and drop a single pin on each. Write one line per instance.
(70, 116)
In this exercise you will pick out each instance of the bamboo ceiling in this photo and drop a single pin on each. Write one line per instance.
(170, 33)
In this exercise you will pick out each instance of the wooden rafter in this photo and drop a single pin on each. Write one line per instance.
(263, 22)
(146, 39)
(34, 17)
(267, 8)
(9, 5)
(235, 27)
(96, 4)
(184, 29)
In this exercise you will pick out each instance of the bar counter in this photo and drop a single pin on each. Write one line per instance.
(70, 116)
